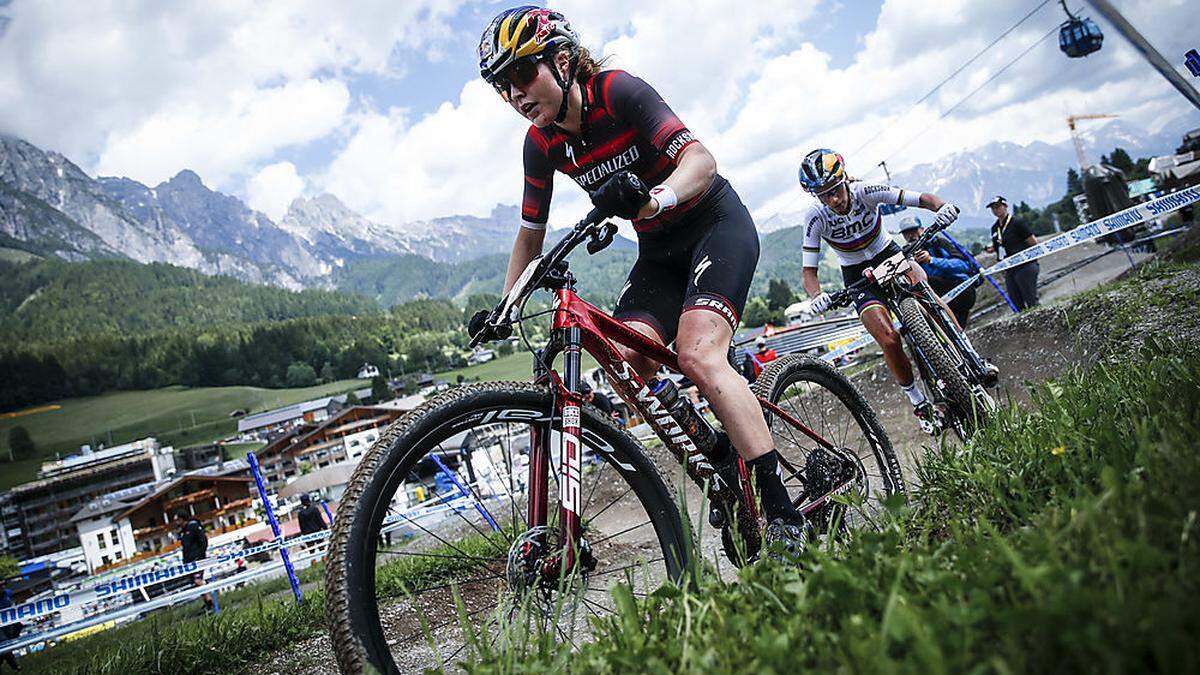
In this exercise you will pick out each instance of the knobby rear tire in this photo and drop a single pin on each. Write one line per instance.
(351, 605)
(799, 369)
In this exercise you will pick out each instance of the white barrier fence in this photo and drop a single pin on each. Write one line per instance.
(93, 594)
(1134, 215)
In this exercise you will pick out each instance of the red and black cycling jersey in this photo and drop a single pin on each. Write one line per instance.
(626, 126)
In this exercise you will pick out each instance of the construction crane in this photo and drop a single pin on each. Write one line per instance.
(1071, 120)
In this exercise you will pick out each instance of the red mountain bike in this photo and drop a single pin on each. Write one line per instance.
(505, 453)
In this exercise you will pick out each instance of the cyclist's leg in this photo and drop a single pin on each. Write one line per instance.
(718, 284)
(649, 303)
(876, 320)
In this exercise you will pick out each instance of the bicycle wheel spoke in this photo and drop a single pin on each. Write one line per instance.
(609, 505)
(631, 528)
(593, 575)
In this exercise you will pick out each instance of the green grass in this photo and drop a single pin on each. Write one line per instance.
(1062, 540)
(517, 366)
(166, 413)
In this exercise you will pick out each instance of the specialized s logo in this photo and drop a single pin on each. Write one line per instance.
(701, 268)
(681, 139)
(570, 149)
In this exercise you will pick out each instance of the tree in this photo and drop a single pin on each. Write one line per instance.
(379, 389)
(504, 348)
(1074, 184)
(352, 399)
(327, 374)
(21, 443)
(301, 375)
(1121, 159)
(779, 295)
(976, 248)
(9, 567)
(757, 312)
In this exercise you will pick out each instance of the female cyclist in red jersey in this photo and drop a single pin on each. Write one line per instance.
(697, 245)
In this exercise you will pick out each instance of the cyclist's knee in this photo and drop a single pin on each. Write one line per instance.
(700, 362)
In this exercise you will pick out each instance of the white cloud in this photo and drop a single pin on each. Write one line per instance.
(220, 137)
(147, 88)
(273, 188)
(463, 158)
(141, 87)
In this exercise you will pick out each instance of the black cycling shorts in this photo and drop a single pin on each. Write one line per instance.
(704, 261)
(852, 274)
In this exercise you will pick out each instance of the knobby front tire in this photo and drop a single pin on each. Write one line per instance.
(629, 519)
(970, 410)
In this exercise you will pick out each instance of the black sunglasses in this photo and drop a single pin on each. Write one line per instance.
(521, 72)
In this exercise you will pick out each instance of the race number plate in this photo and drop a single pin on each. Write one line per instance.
(891, 268)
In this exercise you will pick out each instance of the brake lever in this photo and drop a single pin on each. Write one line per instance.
(602, 238)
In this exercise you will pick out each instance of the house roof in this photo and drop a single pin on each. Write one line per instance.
(291, 412)
(191, 477)
(112, 502)
(302, 436)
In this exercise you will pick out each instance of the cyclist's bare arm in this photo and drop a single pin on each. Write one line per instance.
(811, 285)
(695, 172)
(528, 245)
(931, 202)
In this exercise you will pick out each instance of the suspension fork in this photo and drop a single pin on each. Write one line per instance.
(570, 464)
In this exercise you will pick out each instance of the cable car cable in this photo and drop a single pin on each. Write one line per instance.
(949, 77)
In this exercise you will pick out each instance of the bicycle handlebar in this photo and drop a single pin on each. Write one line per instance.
(846, 295)
(593, 229)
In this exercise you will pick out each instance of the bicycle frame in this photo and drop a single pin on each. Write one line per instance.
(580, 326)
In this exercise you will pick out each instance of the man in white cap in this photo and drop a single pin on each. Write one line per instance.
(1009, 237)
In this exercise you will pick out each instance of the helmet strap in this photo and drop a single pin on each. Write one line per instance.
(565, 84)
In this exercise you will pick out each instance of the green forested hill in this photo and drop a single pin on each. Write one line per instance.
(52, 300)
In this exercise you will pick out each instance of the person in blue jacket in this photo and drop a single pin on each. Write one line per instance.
(946, 268)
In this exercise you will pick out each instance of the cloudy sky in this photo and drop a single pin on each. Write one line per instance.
(379, 101)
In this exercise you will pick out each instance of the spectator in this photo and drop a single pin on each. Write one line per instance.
(599, 400)
(1009, 237)
(311, 519)
(761, 356)
(945, 267)
(10, 632)
(193, 545)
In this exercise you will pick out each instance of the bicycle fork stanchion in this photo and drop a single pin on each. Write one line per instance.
(283, 552)
(465, 492)
(979, 271)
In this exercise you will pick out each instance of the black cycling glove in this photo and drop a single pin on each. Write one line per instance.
(478, 322)
(622, 195)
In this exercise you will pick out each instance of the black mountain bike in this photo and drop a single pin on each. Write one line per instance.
(955, 374)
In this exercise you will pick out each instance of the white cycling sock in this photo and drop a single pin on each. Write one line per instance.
(915, 394)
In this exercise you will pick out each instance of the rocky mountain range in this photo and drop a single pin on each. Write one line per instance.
(49, 206)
